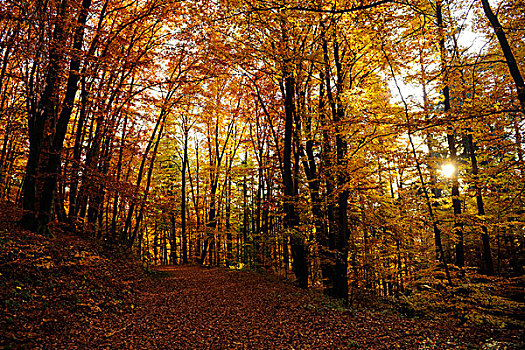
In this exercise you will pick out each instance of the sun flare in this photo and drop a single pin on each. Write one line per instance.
(448, 170)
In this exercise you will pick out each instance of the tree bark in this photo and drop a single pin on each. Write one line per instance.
(507, 52)
(183, 199)
(487, 265)
(341, 235)
(451, 140)
(40, 120)
(298, 249)
(229, 238)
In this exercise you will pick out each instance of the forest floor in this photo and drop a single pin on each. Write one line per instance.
(67, 293)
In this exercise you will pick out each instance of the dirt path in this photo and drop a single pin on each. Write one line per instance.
(199, 308)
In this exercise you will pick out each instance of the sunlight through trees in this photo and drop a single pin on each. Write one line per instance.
(360, 147)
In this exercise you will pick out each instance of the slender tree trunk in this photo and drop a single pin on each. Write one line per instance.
(195, 193)
(126, 235)
(451, 140)
(433, 217)
(173, 239)
(487, 265)
(507, 52)
(183, 200)
(148, 183)
(77, 150)
(216, 157)
(4, 155)
(113, 230)
(229, 238)
(211, 225)
(435, 191)
(3, 97)
(156, 244)
(245, 217)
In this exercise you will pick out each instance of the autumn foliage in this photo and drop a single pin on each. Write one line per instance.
(366, 148)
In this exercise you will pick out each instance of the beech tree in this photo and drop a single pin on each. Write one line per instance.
(305, 138)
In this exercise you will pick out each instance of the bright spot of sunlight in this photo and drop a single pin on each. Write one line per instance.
(448, 170)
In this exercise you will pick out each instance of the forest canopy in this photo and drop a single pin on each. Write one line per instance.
(357, 145)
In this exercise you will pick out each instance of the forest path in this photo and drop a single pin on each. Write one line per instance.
(67, 293)
(190, 307)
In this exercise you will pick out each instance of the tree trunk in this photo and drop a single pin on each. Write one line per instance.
(341, 230)
(435, 223)
(487, 265)
(40, 121)
(126, 235)
(245, 218)
(148, 182)
(299, 259)
(183, 200)
(507, 52)
(451, 140)
(229, 238)
(55, 156)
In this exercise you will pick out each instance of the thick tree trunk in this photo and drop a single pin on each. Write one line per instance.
(326, 243)
(53, 164)
(40, 121)
(341, 233)
(298, 249)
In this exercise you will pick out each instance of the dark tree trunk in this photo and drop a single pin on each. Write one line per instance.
(456, 202)
(229, 238)
(126, 234)
(487, 265)
(40, 122)
(53, 163)
(310, 167)
(339, 279)
(299, 254)
(148, 182)
(507, 52)
(183, 200)
(113, 230)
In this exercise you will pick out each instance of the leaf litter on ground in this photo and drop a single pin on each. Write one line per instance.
(67, 292)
